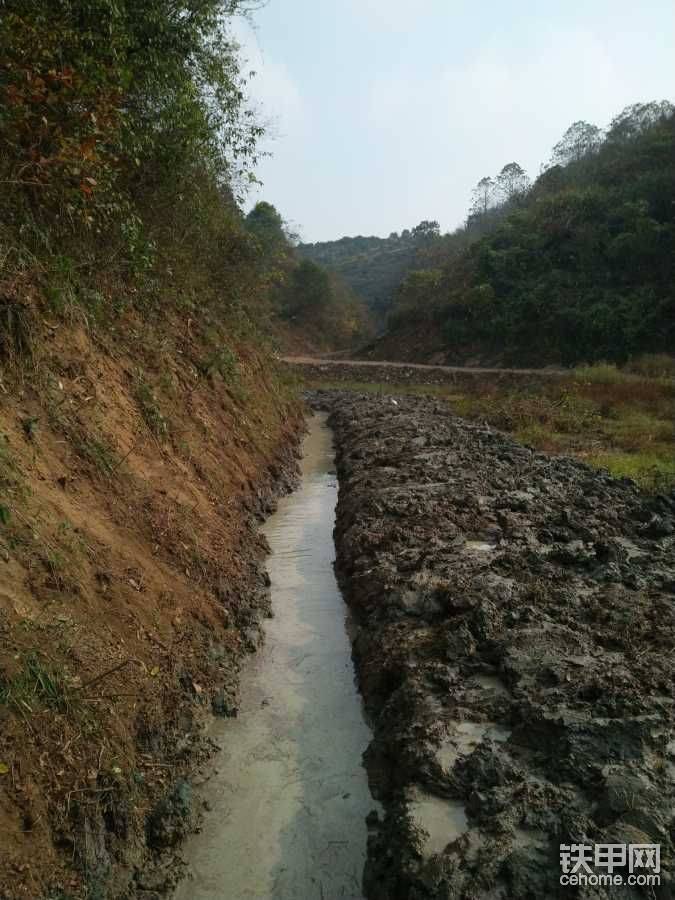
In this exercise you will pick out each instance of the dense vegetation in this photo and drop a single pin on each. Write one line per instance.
(373, 267)
(578, 266)
(304, 296)
(127, 145)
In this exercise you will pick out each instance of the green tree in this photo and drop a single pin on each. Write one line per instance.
(512, 182)
(483, 197)
(308, 290)
(579, 140)
(426, 231)
(265, 222)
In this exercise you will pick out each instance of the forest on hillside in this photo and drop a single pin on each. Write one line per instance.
(311, 300)
(128, 146)
(373, 267)
(578, 265)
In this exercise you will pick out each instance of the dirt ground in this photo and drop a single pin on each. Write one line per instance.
(386, 372)
(133, 477)
(514, 648)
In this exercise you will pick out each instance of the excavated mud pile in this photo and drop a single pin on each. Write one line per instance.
(514, 649)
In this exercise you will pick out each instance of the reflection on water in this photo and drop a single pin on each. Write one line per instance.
(289, 799)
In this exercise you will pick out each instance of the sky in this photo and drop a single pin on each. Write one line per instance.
(382, 113)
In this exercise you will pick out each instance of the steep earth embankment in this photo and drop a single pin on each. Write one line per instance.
(514, 649)
(135, 465)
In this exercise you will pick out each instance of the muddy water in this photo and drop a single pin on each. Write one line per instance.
(289, 798)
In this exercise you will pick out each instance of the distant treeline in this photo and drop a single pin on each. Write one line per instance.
(310, 299)
(373, 267)
(577, 265)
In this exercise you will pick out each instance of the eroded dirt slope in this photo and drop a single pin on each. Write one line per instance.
(134, 470)
(515, 652)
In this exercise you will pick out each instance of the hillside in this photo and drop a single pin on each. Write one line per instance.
(310, 306)
(577, 267)
(144, 431)
(373, 267)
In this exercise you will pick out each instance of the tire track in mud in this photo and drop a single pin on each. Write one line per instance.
(514, 650)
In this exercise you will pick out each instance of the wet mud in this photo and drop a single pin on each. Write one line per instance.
(286, 806)
(514, 647)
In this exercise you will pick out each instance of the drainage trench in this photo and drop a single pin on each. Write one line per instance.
(289, 796)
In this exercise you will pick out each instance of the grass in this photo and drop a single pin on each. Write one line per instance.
(619, 420)
(653, 471)
(603, 373)
(223, 361)
(97, 452)
(149, 407)
(36, 682)
(9, 471)
(86, 440)
(12, 486)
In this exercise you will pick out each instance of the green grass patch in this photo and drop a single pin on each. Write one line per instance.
(653, 471)
(150, 410)
(36, 683)
(95, 451)
(603, 373)
(223, 361)
(634, 429)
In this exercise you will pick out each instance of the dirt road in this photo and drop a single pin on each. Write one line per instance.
(378, 364)
(320, 369)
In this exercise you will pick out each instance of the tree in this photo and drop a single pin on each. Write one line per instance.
(102, 99)
(309, 289)
(415, 294)
(267, 225)
(637, 118)
(483, 197)
(580, 139)
(426, 231)
(512, 182)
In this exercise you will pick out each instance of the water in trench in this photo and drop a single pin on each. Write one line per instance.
(289, 796)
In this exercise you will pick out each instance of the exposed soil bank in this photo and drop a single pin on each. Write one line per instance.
(289, 796)
(133, 481)
(515, 652)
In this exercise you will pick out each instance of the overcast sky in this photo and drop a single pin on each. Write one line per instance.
(386, 112)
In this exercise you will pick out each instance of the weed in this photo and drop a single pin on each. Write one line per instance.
(60, 289)
(149, 407)
(12, 487)
(653, 365)
(612, 419)
(9, 471)
(603, 373)
(652, 471)
(36, 682)
(98, 453)
(140, 249)
(17, 327)
(168, 385)
(225, 362)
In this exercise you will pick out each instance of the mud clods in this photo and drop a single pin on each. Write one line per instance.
(514, 648)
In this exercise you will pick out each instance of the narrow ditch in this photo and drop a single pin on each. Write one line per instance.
(288, 797)
(514, 650)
